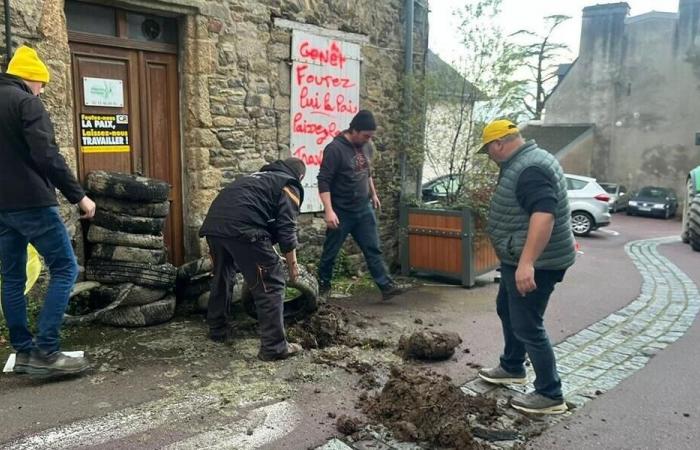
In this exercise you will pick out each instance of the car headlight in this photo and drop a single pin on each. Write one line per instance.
(659, 206)
(632, 203)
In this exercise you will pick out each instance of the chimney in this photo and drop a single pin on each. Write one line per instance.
(602, 30)
(688, 24)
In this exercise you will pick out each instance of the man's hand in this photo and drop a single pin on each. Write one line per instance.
(332, 221)
(87, 206)
(293, 269)
(375, 202)
(525, 279)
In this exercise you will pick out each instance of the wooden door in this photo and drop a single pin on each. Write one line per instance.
(151, 103)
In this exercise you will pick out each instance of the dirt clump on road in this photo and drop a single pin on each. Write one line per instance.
(429, 344)
(421, 405)
(348, 425)
(325, 328)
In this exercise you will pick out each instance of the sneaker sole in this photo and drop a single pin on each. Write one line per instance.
(51, 373)
(518, 381)
(557, 409)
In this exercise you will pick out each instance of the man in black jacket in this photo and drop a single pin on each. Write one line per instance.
(346, 188)
(243, 223)
(31, 167)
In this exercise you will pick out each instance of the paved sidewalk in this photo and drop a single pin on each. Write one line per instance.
(599, 357)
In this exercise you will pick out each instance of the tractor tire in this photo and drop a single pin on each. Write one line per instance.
(141, 295)
(300, 306)
(128, 254)
(128, 224)
(192, 269)
(140, 316)
(86, 306)
(160, 276)
(689, 194)
(118, 206)
(99, 235)
(694, 224)
(127, 187)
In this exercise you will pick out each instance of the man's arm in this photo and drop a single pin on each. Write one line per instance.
(43, 151)
(373, 193)
(536, 195)
(541, 225)
(325, 178)
(286, 226)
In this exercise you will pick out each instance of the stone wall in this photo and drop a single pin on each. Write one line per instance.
(637, 80)
(235, 87)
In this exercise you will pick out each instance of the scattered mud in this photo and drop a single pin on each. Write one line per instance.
(420, 405)
(428, 344)
(327, 327)
(348, 425)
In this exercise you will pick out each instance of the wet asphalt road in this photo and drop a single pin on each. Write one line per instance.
(644, 411)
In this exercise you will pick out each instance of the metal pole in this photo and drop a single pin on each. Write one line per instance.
(408, 90)
(8, 32)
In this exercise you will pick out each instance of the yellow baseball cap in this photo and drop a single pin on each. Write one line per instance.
(496, 130)
(26, 65)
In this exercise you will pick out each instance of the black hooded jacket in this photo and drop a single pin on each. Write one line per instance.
(30, 163)
(261, 206)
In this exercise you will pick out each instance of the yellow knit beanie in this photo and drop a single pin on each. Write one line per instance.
(27, 65)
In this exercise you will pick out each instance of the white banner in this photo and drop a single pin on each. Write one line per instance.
(325, 97)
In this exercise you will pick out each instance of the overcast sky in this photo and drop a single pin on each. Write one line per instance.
(526, 14)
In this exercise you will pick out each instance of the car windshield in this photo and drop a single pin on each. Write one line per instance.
(652, 192)
(609, 188)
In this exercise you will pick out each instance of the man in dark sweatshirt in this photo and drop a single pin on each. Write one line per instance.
(348, 195)
(31, 167)
(243, 223)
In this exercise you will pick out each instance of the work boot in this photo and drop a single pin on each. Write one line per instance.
(42, 364)
(538, 404)
(324, 290)
(498, 375)
(21, 361)
(219, 335)
(391, 290)
(292, 350)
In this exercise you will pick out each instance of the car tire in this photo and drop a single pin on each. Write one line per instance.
(582, 223)
(127, 187)
(140, 316)
(667, 214)
(132, 208)
(302, 305)
(150, 275)
(128, 254)
(630, 213)
(100, 235)
(128, 223)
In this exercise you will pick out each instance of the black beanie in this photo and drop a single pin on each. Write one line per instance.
(363, 121)
(297, 165)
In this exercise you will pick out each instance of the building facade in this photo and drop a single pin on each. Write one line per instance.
(637, 82)
(202, 91)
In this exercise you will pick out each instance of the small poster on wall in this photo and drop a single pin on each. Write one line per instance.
(104, 133)
(103, 92)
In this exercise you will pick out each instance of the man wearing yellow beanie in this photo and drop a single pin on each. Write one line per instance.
(31, 168)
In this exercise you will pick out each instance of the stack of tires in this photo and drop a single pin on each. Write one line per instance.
(128, 256)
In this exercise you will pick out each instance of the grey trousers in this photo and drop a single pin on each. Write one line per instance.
(263, 272)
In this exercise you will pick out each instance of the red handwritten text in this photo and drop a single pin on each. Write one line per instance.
(321, 80)
(332, 55)
(323, 132)
(309, 160)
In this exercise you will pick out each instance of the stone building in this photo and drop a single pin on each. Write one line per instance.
(205, 89)
(637, 83)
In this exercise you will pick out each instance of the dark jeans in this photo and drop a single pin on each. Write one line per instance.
(362, 226)
(263, 272)
(44, 229)
(522, 319)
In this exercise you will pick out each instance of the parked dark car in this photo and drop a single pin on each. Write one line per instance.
(440, 187)
(653, 201)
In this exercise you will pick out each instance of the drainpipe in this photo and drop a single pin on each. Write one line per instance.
(408, 90)
(8, 32)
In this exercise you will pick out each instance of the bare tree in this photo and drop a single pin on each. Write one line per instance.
(540, 56)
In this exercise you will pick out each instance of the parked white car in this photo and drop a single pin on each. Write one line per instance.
(589, 204)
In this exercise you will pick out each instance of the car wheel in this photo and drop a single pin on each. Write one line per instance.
(630, 213)
(581, 223)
